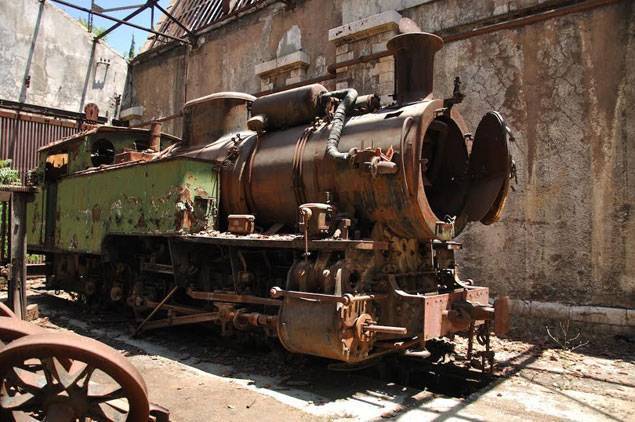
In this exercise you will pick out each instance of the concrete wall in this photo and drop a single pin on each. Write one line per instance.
(565, 86)
(225, 59)
(56, 50)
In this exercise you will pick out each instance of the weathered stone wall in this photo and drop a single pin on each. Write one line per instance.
(225, 59)
(43, 42)
(565, 85)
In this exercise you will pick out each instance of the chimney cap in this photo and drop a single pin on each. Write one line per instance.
(414, 65)
(401, 41)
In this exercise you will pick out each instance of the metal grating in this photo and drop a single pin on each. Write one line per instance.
(199, 14)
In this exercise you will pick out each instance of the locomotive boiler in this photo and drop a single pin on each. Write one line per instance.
(315, 217)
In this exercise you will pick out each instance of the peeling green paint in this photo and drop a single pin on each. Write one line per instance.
(154, 197)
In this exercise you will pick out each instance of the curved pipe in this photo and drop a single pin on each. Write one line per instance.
(348, 98)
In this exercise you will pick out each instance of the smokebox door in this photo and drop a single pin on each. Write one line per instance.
(489, 170)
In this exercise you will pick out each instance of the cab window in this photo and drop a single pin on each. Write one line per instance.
(56, 165)
(102, 152)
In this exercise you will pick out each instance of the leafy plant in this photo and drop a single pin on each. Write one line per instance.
(132, 51)
(8, 175)
(97, 30)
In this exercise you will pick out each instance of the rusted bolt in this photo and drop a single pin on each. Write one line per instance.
(276, 292)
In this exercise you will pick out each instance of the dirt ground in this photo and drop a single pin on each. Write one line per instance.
(200, 376)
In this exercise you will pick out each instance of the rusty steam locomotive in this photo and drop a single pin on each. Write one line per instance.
(316, 217)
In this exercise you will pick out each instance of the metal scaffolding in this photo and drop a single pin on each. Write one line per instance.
(97, 10)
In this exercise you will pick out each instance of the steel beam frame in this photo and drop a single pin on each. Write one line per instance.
(119, 22)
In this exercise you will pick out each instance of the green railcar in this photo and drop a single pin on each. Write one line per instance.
(80, 205)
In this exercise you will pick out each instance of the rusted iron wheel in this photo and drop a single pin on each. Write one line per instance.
(66, 377)
(13, 329)
(5, 311)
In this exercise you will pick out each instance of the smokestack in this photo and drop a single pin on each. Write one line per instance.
(155, 136)
(414, 64)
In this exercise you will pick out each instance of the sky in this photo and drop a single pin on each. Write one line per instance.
(121, 37)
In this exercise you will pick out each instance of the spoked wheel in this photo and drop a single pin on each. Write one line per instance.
(13, 329)
(5, 311)
(65, 377)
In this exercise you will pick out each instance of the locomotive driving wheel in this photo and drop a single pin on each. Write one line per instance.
(13, 329)
(65, 377)
(5, 311)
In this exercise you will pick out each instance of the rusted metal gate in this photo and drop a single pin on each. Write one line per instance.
(21, 135)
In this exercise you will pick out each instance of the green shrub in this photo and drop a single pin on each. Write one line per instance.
(8, 175)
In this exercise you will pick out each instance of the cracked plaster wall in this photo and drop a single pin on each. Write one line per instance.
(565, 87)
(60, 67)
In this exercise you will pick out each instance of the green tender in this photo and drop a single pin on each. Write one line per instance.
(156, 197)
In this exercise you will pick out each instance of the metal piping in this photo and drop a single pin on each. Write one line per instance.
(157, 120)
(621, 317)
(155, 136)
(348, 98)
(538, 16)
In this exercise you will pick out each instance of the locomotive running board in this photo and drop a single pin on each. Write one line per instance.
(283, 241)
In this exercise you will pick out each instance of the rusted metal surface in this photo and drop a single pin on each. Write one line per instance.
(232, 298)
(129, 156)
(12, 328)
(414, 64)
(155, 137)
(289, 108)
(6, 311)
(326, 328)
(438, 316)
(48, 375)
(210, 117)
(430, 186)
(284, 241)
(66, 362)
(241, 224)
(489, 170)
(346, 299)
(502, 318)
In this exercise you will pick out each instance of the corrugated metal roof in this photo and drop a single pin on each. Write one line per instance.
(199, 14)
(102, 129)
